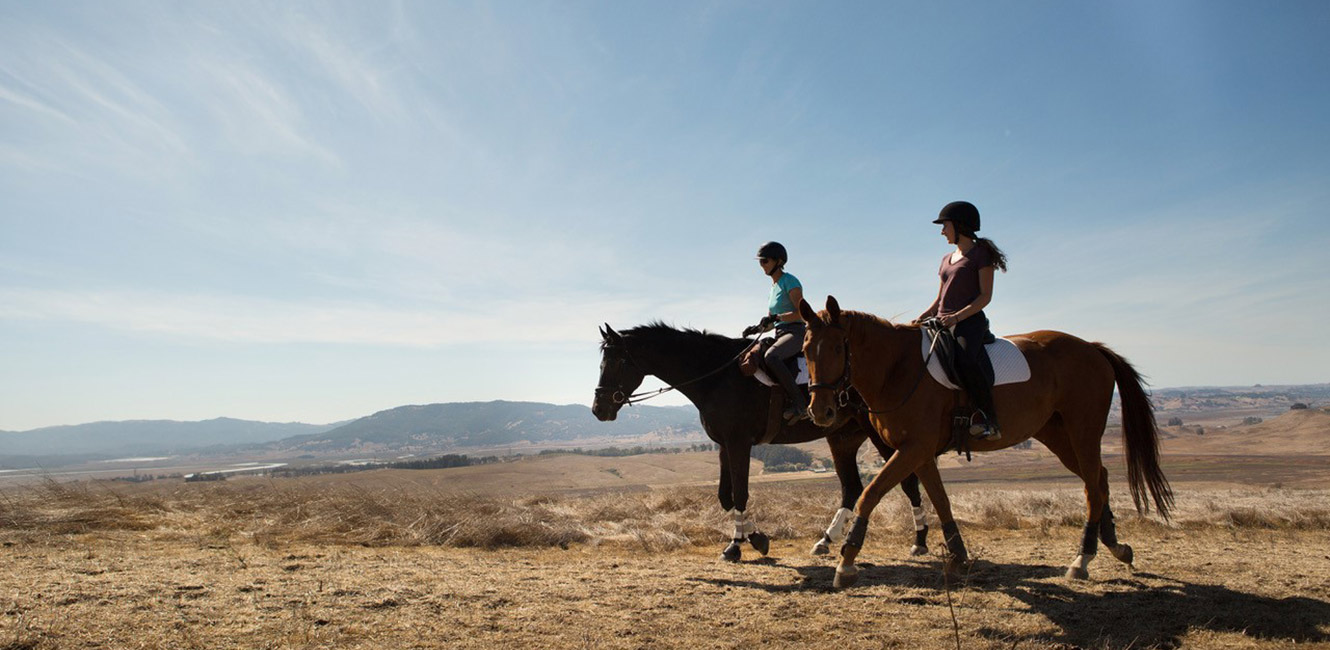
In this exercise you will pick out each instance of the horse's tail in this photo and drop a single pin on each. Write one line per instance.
(1140, 436)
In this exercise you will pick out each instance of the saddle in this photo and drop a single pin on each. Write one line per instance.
(752, 364)
(1009, 364)
(940, 352)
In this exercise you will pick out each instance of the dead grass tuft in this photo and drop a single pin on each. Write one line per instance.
(1313, 519)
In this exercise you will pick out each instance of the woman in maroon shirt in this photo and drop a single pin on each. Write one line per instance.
(967, 287)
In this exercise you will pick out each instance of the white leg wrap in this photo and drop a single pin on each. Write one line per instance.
(840, 525)
(1082, 562)
(920, 518)
(742, 526)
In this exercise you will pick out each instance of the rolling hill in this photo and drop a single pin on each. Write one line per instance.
(490, 424)
(146, 437)
(431, 427)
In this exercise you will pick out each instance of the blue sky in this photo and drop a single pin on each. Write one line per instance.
(313, 211)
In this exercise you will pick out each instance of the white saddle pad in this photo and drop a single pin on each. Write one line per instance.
(801, 378)
(1009, 364)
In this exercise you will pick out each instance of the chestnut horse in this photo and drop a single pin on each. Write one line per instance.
(1063, 405)
(733, 410)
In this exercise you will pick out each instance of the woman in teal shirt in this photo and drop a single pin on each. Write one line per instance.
(783, 312)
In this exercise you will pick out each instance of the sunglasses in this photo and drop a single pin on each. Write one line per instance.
(763, 260)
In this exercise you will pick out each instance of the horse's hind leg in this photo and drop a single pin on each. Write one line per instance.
(1082, 457)
(1108, 532)
(844, 456)
(910, 486)
(951, 533)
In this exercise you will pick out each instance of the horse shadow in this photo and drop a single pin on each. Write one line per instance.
(1143, 609)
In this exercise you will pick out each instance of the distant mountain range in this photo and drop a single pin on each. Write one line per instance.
(491, 424)
(406, 429)
(478, 425)
(146, 437)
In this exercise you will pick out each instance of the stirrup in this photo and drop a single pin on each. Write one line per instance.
(983, 430)
(794, 414)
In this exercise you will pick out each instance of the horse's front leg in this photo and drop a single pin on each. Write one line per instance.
(901, 464)
(735, 459)
(910, 486)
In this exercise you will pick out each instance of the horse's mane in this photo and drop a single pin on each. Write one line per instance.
(663, 334)
(873, 321)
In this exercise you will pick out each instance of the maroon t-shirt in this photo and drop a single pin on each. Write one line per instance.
(960, 281)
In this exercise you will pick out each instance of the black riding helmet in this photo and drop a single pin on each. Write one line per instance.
(961, 213)
(773, 250)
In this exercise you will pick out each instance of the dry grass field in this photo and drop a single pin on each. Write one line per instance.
(410, 560)
(586, 552)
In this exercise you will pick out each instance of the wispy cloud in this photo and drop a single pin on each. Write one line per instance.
(268, 321)
(349, 67)
(22, 100)
(258, 115)
(83, 112)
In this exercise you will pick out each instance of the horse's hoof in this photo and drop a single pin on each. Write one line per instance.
(845, 576)
(732, 553)
(1077, 573)
(821, 548)
(918, 549)
(1123, 553)
(761, 543)
(956, 565)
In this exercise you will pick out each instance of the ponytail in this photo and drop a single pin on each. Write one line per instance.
(999, 258)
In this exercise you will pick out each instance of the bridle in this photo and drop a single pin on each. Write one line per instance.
(619, 395)
(841, 387)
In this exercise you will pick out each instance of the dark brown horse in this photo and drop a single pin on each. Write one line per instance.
(733, 410)
(1063, 405)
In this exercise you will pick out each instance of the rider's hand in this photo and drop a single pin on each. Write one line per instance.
(769, 320)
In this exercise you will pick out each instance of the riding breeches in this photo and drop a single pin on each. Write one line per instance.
(977, 374)
(789, 341)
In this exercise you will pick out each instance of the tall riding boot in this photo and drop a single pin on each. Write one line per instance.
(798, 408)
(977, 379)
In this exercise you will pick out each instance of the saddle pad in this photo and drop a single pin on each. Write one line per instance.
(1009, 365)
(801, 378)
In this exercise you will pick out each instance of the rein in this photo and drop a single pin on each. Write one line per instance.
(841, 386)
(619, 398)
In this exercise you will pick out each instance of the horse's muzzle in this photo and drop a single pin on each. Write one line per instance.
(604, 413)
(823, 415)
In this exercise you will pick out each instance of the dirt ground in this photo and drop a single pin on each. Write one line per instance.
(1198, 583)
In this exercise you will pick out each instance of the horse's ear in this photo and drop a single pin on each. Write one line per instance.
(609, 334)
(833, 309)
(806, 312)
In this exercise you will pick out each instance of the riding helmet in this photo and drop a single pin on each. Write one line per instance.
(961, 213)
(773, 250)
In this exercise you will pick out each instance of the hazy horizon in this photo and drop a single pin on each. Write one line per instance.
(500, 399)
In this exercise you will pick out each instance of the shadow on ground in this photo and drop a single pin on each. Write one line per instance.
(1142, 610)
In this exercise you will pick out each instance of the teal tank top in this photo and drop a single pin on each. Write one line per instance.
(780, 302)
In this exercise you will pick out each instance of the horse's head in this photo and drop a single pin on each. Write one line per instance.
(619, 376)
(827, 349)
